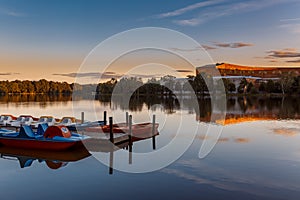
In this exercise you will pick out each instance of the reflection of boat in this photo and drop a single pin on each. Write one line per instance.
(53, 160)
(54, 138)
(142, 130)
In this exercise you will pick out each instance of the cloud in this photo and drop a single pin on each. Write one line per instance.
(284, 53)
(189, 8)
(144, 75)
(198, 48)
(184, 70)
(4, 11)
(291, 19)
(186, 50)
(233, 45)
(273, 61)
(293, 61)
(292, 27)
(9, 74)
(218, 9)
(105, 75)
(207, 47)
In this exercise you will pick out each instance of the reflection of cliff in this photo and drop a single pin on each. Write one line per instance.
(241, 110)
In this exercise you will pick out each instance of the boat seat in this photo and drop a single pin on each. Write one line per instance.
(26, 132)
(42, 128)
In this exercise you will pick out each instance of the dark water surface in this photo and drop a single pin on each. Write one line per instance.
(256, 157)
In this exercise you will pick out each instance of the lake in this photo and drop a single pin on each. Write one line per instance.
(257, 155)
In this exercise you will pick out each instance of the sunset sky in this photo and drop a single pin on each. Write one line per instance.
(50, 39)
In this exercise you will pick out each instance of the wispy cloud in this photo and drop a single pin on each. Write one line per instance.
(93, 75)
(233, 45)
(189, 8)
(284, 53)
(290, 19)
(184, 70)
(293, 61)
(8, 74)
(198, 48)
(209, 10)
(8, 12)
(207, 47)
(106, 75)
(291, 27)
(186, 50)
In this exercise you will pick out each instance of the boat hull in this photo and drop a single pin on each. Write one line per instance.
(42, 144)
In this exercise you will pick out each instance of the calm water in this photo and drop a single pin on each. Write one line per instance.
(256, 157)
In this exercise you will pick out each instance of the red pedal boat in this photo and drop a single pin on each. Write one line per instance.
(55, 138)
(142, 130)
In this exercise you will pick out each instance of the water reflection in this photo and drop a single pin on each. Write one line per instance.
(259, 159)
(239, 109)
(54, 160)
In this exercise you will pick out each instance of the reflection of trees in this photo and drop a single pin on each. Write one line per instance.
(35, 98)
(237, 107)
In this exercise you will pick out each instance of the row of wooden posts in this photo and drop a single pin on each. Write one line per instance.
(128, 123)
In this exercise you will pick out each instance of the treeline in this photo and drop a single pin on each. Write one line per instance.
(284, 85)
(168, 85)
(35, 87)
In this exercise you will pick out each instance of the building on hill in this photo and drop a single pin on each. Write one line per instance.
(256, 75)
(231, 70)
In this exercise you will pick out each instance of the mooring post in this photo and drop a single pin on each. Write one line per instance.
(111, 135)
(153, 125)
(82, 117)
(130, 130)
(153, 143)
(127, 119)
(104, 118)
(130, 153)
(111, 161)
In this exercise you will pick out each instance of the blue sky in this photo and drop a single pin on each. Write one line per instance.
(41, 38)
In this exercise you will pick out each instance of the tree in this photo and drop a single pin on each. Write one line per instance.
(262, 87)
(3, 88)
(243, 86)
(286, 82)
(270, 86)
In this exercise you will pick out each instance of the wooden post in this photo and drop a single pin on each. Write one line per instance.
(82, 117)
(130, 130)
(130, 153)
(104, 118)
(111, 134)
(127, 119)
(153, 143)
(153, 125)
(111, 161)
